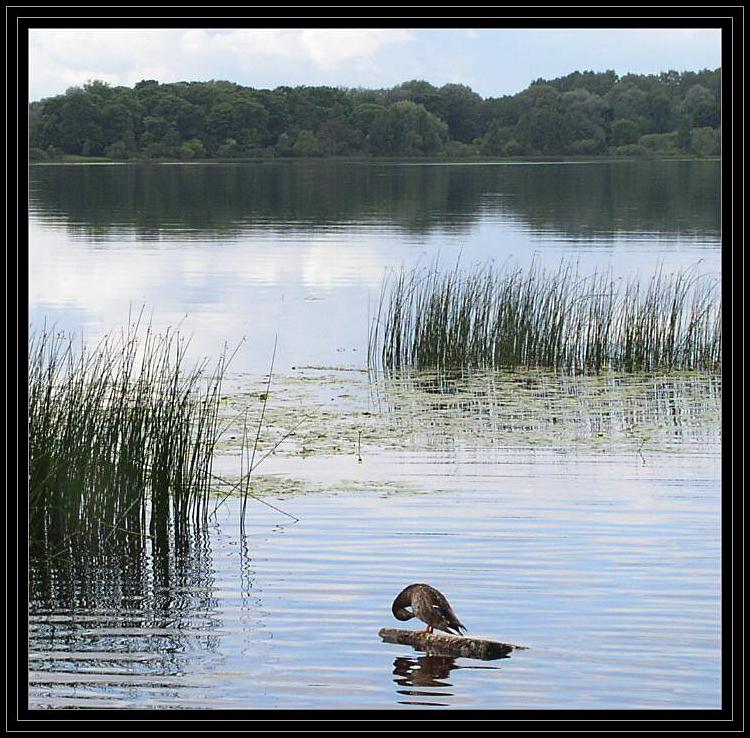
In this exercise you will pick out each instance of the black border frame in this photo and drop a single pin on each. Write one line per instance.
(730, 718)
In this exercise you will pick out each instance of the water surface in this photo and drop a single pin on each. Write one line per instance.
(606, 569)
(577, 516)
(300, 249)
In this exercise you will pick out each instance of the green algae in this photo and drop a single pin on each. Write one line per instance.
(344, 416)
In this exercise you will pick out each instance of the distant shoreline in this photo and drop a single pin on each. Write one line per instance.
(78, 159)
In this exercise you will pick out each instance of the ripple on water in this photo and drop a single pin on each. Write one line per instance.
(616, 595)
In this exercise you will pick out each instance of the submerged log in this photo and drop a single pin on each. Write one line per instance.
(448, 645)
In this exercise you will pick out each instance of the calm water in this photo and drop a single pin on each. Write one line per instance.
(579, 517)
(300, 249)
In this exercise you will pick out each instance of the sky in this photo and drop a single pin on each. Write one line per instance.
(493, 62)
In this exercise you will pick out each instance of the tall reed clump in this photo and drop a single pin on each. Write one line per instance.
(506, 318)
(119, 430)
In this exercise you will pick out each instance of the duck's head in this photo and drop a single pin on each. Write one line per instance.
(400, 604)
(401, 613)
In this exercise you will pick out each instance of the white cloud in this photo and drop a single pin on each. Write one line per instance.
(493, 61)
(61, 57)
(329, 49)
(194, 41)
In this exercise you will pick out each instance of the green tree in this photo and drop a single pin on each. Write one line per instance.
(502, 111)
(515, 148)
(582, 112)
(496, 139)
(627, 101)
(418, 91)
(408, 129)
(284, 145)
(338, 138)
(229, 149)
(597, 83)
(79, 121)
(659, 143)
(705, 141)
(160, 138)
(192, 149)
(306, 144)
(538, 95)
(684, 139)
(544, 130)
(625, 131)
(659, 115)
(117, 150)
(461, 108)
(364, 115)
(702, 107)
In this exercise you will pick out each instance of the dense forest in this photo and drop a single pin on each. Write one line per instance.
(581, 114)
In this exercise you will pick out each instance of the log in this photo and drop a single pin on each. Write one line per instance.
(449, 645)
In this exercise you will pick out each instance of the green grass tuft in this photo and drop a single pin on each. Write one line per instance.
(117, 431)
(506, 318)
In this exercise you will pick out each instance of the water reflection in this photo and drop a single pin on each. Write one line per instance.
(582, 201)
(421, 677)
(591, 563)
(420, 672)
(121, 612)
(204, 617)
(423, 671)
(667, 411)
(299, 250)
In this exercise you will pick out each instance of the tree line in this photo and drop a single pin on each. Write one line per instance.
(580, 114)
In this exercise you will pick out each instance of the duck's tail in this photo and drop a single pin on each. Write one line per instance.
(453, 626)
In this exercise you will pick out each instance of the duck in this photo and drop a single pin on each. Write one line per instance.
(430, 606)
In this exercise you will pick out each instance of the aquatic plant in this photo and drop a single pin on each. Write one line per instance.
(119, 431)
(489, 317)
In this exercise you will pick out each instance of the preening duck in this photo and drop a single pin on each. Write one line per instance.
(430, 606)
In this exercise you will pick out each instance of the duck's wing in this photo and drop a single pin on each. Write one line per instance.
(448, 620)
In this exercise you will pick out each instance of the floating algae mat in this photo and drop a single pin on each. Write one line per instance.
(316, 416)
(516, 410)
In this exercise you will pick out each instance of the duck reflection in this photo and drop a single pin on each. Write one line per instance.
(428, 672)
(423, 671)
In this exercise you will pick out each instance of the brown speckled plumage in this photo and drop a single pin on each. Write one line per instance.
(429, 605)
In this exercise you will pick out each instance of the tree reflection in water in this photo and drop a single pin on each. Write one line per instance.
(600, 201)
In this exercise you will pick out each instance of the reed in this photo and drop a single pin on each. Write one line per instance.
(493, 318)
(119, 432)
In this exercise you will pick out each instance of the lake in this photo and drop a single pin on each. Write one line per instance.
(577, 516)
(299, 250)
